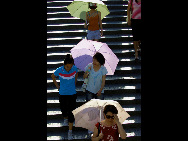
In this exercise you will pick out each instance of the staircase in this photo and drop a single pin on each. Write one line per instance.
(63, 33)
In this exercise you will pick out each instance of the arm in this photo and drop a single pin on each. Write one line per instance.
(76, 77)
(86, 72)
(100, 22)
(54, 80)
(128, 14)
(121, 131)
(95, 134)
(102, 85)
(86, 22)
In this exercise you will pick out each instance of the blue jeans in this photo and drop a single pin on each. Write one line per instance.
(90, 95)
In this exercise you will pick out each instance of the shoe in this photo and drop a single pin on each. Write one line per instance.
(136, 58)
(70, 136)
(66, 122)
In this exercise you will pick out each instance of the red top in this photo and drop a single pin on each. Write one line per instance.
(110, 132)
(93, 22)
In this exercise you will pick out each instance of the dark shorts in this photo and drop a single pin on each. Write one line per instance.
(67, 105)
(136, 29)
(90, 95)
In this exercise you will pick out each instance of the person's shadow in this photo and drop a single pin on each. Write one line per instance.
(83, 15)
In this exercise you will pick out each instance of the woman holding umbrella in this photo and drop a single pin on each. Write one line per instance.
(97, 77)
(93, 20)
(96, 80)
(110, 127)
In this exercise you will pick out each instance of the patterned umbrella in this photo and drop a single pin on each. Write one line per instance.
(84, 51)
(87, 115)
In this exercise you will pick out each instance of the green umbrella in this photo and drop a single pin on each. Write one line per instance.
(79, 8)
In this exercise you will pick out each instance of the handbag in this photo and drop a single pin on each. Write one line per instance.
(84, 85)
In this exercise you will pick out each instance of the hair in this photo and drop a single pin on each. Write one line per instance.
(91, 6)
(68, 59)
(100, 58)
(110, 108)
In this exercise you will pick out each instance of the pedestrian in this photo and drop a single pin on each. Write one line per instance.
(134, 21)
(96, 81)
(68, 74)
(93, 21)
(109, 128)
(97, 77)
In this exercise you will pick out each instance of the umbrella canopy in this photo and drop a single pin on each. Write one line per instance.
(84, 51)
(78, 8)
(87, 115)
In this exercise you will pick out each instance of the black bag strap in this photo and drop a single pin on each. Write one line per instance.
(99, 129)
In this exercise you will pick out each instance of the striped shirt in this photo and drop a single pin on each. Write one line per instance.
(136, 7)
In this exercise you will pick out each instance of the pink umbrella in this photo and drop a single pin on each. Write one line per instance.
(84, 51)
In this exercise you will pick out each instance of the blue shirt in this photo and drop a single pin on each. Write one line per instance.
(95, 78)
(67, 80)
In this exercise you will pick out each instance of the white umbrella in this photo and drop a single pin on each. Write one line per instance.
(87, 115)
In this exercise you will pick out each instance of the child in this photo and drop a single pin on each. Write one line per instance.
(68, 74)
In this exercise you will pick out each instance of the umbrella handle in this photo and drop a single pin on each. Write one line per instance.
(100, 115)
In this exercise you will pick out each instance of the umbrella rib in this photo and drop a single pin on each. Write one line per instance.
(109, 67)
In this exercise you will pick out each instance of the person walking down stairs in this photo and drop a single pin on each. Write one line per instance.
(134, 7)
(68, 74)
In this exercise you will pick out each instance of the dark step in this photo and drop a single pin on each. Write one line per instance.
(104, 38)
(67, 14)
(117, 72)
(75, 129)
(61, 56)
(120, 64)
(107, 94)
(125, 104)
(64, 7)
(108, 77)
(83, 33)
(55, 113)
(133, 134)
(80, 26)
(68, 47)
(77, 20)
(81, 97)
(65, 3)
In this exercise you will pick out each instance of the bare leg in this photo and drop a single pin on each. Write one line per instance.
(136, 48)
(70, 126)
(139, 44)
